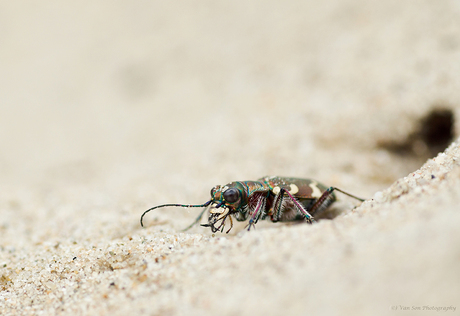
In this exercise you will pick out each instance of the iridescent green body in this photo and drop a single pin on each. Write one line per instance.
(279, 198)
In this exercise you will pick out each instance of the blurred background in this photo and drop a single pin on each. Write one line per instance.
(158, 101)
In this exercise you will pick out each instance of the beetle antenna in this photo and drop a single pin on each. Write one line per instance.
(176, 205)
(350, 195)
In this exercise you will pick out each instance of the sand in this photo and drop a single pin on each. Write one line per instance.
(108, 109)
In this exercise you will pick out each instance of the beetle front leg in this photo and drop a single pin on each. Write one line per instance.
(278, 206)
(258, 212)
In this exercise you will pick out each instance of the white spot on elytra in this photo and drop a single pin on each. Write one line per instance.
(316, 192)
(294, 189)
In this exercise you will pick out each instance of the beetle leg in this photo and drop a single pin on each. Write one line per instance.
(260, 208)
(278, 206)
(279, 202)
(323, 201)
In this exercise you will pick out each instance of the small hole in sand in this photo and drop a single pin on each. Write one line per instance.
(433, 134)
(437, 129)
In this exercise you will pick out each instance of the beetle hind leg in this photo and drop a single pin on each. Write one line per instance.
(279, 206)
(327, 198)
(323, 202)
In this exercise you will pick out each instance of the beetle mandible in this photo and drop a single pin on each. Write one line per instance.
(279, 198)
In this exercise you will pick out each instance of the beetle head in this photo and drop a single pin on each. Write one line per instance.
(230, 196)
(225, 201)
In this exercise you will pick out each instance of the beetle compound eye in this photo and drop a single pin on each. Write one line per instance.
(231, 195)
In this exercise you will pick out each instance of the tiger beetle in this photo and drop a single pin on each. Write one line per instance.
(279, 198)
